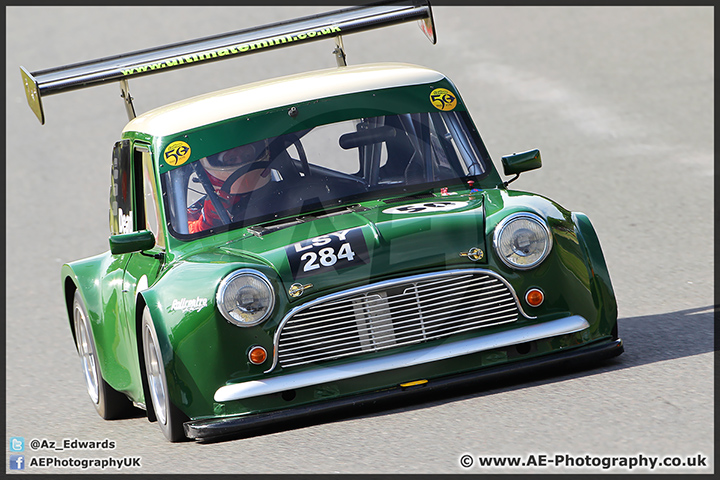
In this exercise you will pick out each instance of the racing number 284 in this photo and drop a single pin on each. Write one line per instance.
(326, 257)
(341, 249)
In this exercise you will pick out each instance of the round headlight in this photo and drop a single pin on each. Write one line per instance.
(522, 240)
(245, 297)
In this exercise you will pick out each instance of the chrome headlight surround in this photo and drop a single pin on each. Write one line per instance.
(245, 297)
(522, 240)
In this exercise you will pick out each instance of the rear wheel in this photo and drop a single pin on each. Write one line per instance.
(169, 417)
(109, 403)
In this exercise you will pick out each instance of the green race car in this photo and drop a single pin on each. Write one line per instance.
(318, 241)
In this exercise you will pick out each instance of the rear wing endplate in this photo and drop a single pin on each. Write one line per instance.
(120, 68)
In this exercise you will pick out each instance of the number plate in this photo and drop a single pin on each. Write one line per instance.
(342, 249)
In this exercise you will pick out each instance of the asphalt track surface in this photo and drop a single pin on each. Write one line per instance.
(620, 102)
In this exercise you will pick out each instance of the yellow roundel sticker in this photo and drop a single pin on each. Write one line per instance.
(443, 99)
(177, 153)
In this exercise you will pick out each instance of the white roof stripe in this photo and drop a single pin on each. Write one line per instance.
(242, 100)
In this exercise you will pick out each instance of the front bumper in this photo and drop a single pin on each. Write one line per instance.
(217, 428)
(256, 388)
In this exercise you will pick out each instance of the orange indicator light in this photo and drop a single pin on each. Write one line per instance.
(534, 297)
(257, 355)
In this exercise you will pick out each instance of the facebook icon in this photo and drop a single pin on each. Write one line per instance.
(17, 462)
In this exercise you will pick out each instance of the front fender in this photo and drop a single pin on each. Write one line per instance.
(199, 348)
(574, 277)
(604, 295)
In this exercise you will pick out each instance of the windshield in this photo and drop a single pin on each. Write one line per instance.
(318, 168)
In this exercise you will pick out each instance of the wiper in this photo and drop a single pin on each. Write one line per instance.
(427, 193)
(263, 229)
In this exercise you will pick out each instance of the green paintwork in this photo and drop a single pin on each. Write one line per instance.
(202, 351)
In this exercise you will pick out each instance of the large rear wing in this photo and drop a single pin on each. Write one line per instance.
(120, 68)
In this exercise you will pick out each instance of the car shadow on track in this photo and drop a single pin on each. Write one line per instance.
(647, 339)
(667, 336)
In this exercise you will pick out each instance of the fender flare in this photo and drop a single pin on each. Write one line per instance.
(598, 267)
(91, 296)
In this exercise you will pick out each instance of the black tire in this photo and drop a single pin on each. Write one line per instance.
(109, 403)
(169, 417)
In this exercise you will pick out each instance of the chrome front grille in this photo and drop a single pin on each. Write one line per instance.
(393, 314)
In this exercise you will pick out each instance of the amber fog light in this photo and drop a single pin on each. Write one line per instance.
(534, 297)
(257, 355)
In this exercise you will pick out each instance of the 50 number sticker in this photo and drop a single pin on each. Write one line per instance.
(177, 153)
(345, 248)
(426, 207)
(443, 99)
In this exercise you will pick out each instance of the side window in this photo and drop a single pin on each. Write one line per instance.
(121, 214)
(150, 195)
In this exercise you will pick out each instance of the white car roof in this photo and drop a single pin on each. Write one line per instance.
(245, 99)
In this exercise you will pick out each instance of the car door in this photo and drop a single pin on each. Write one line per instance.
(133, 207)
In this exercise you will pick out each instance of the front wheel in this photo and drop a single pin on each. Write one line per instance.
(169, 417)
(109, 403)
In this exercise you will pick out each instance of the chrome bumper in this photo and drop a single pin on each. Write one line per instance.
(323, 375)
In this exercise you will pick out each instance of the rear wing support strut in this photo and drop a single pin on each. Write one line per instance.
(120, 68)
(340, 52)
(127, 98)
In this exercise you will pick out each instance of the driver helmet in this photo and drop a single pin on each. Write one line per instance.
(219, 167)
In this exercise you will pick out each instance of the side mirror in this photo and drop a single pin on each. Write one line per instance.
(132, 242)
(518, 163)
